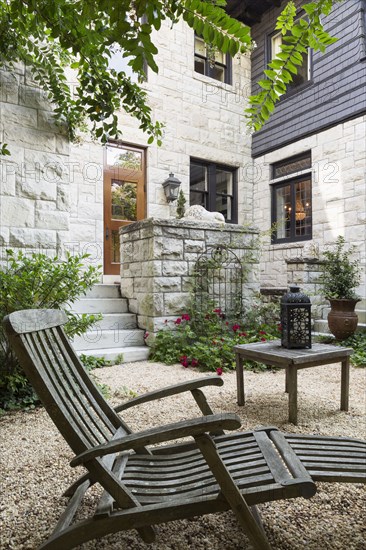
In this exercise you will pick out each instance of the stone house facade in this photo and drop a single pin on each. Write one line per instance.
(54, 195)
(309, 159)
(52, 191)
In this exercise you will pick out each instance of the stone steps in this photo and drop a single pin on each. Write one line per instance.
(117, 333)
(321, 327)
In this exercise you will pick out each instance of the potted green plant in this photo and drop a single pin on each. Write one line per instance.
(340, 276)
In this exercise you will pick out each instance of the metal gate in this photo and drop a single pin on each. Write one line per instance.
(218, 283)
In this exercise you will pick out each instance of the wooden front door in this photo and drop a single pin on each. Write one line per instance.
(124, 197)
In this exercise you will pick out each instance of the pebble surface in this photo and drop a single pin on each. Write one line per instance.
(34, 462)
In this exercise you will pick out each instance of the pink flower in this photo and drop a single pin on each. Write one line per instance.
(178, 321)
(194, 362)
(236, 327)
(219, 371)
(186, 317)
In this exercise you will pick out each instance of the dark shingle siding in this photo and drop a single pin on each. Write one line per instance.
(337, 91)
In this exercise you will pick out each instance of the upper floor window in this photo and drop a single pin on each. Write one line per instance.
(291, 200)
(216, 65)
(303, 71)
(213, 186)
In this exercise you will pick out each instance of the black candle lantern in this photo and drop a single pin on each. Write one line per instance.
(295, 319)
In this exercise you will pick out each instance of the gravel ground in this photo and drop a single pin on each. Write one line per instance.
(34, 463)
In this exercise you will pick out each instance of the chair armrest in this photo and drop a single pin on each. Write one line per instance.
(171, 390)
(168, 432)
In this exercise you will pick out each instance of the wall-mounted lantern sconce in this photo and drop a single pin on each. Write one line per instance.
(171, 187)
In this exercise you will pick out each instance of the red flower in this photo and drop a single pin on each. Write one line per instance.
(194, 362)
(184, 361)
(178, 321)
(219, 371)
(236, 327)
(217, 310)
(146, 335)
(186, 317)
(262, 332)
(279, 326)
(227, 322)
(263, 340)
(166, 322)
(243, 334)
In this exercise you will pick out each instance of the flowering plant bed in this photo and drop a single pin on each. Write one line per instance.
(207, 341)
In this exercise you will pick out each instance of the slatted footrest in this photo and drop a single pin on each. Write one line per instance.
(330, 458)
(283, 462)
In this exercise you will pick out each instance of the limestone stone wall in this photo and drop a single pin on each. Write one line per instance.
(338, 198)
(202, 118)
(51, 191)
(158, 258)
(34, 186)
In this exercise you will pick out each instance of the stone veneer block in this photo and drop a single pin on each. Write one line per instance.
(158, 257)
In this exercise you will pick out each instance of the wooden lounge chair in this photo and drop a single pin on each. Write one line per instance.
(145, 485)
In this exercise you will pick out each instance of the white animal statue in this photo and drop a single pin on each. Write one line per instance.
(197, 212)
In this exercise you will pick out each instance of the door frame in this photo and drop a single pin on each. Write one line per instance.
(111, 268)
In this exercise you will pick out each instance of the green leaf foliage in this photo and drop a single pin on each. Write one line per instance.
(37, 281)
(206, 340)
(340, 273)
(51, 35)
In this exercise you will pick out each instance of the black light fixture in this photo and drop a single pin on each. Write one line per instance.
(295, 319)
(171, 187)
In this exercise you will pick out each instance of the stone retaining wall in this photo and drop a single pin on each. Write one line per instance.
(158, 257)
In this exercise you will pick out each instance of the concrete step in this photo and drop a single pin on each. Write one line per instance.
(361, 313)
(103, 291)
(117, 321)
(100, 305)
(98, 339)
(321, 326)
(129, 354)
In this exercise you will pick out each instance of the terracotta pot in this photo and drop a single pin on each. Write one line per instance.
(342, 319)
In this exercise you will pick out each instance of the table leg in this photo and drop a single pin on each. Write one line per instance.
(345, 384)
(240, 380)
(292, 393)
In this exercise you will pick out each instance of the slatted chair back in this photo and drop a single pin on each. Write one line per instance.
(70, 397)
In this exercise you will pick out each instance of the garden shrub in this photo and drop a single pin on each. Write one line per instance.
(39, 281)
(207, 341)
(357, 341)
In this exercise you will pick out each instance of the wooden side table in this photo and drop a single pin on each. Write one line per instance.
(271, 353)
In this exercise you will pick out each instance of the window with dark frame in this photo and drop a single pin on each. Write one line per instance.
(218, 68)
(291, 200)
(213, 186)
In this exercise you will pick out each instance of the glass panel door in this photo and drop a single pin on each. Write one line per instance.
(124, 198)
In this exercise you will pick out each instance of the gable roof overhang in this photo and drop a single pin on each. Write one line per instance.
(249, 11)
